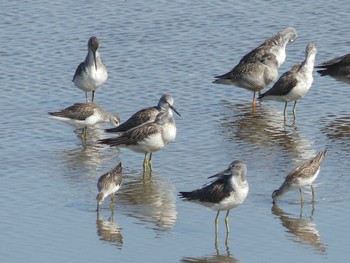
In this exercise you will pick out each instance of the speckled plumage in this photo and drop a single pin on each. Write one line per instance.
(85, 114)
(252, 75)
(275, 45)
(301, 176)
(108, 184)
(144, 115)
(149, 137)
(257, 69)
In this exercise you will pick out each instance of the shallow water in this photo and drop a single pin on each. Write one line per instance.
(48, 179)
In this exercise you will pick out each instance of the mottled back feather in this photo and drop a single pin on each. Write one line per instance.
(134, 135)
(78, 111)
(140, 117)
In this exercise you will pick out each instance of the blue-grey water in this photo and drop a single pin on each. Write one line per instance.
(48, 179)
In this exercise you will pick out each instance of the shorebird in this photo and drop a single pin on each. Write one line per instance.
(295, 83)
(275, 45)
(301, 176)
(252, 75)
(91, 73)
(228, 190)
(149, 137)
(338, 68)
(144, 115)
(83, 115)
(108, 184)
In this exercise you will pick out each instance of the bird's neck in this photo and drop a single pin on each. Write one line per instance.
(308, 64)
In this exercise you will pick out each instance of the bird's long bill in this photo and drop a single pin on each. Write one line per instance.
(94, 53)
(171, 107)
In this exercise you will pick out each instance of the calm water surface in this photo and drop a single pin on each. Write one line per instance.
(48, 180)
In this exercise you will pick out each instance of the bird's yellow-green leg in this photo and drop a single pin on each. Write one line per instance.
(111, 218)
(217, 222)
(226, 242)
(301, 196)
(313, 194)
(226, 222)
(145, 163)
(84, 134)
(294, 108)
(150, 162)
(112, 202)
(86, 97)
(216, 242)
(285, 110)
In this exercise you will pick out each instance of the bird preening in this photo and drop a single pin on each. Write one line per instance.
(257, 69)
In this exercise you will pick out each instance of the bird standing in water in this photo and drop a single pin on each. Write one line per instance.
(303, 175)
(91, 73)
(108, 184)
(228, 190)
(149, 137)
(257, 69)
(295, 83)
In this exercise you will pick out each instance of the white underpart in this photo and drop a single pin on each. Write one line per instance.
(110, 191)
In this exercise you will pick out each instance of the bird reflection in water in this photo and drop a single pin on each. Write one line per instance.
(264, 127)
(337, 129)
(109, 231)
(303, 230)
(85, 160)
(150, 200)
(96, 132)
(216, 258)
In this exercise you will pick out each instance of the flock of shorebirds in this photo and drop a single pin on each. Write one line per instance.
(151, 129)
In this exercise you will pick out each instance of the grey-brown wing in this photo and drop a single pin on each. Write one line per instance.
(308, 168)
(284, 84)
(343, 60)
(131, 137)
(140, 117)
(212, 193)
(78, 111)
(254, 55)
(112, 177)
(79, 69)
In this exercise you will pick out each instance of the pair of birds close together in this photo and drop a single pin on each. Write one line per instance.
(259, 68)
(229, 188)
(147, 131)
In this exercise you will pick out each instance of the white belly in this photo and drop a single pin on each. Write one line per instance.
(150, 144)
(91, 79)
(110, 191)
(310, 180)
(299, 90)
(169, 133)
